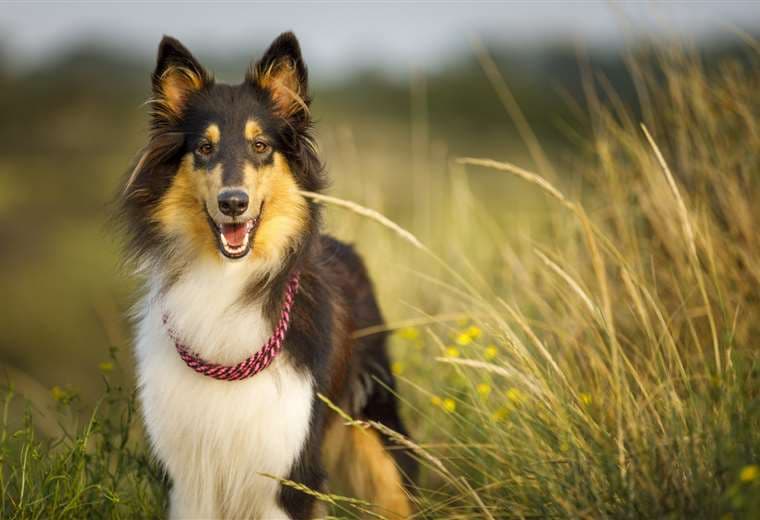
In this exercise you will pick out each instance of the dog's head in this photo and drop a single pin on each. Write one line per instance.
(222, 172)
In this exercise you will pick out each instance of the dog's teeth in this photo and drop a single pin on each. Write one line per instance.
(234, 250)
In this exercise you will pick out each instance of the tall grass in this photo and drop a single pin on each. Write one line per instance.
(598, 362)
(97, 468)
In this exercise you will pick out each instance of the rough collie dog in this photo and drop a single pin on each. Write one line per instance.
(249, 311)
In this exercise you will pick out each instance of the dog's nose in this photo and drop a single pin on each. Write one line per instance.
(233, 202)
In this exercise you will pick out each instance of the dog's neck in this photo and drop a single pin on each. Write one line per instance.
(214, 310)
(225, 310)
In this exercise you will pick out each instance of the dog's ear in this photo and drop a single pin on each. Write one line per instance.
(282, 73)
(178, 74)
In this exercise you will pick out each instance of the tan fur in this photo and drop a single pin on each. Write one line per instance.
(319, 512)
(181, 212)
(285, 211)
(176, 84)
(281, 79)
(213, 134)
(359, 465)
(252, 130)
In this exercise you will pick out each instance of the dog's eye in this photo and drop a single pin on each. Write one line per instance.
(260, 146)
(205, 149)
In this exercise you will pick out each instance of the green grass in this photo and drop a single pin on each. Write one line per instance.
(96, 469)
(579, 341)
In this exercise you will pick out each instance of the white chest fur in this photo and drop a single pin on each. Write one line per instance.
(216, 438)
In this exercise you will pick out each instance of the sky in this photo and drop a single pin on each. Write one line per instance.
(340, 36)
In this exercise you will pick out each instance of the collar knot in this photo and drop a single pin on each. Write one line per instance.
(252, 365)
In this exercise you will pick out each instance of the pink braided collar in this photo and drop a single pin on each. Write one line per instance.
(255, 363)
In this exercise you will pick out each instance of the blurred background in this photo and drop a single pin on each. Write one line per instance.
(400, 90)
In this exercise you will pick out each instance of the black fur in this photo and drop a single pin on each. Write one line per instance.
(376, 400)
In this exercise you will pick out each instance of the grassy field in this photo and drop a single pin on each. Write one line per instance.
(574, 340)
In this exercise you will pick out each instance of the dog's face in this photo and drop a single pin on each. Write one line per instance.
(223, 171)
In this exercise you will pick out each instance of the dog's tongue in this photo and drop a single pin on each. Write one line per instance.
(234, 234)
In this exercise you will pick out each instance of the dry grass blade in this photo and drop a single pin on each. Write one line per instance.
(460, 483)
(474, 363)
(512, 106)
(520, 172)
(404, 441)
(388, 223)
(414, 322)
(690, 236)
(370, 213)
(683, 213)
(493, 369)
(571, 282)
(329, 498)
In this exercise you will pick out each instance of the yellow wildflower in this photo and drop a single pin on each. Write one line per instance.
(62, 395)
(514, 395)
(490, 352)
(397, 368)
(749, 473)
(500, 414)
(410, 333)
(105, 366)
(463, 339)
(449, 405)
(452, 352)
(484, 389)
(585, 398)
(58, 393)
(473, 331)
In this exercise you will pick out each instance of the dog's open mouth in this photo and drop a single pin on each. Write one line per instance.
(235, 239)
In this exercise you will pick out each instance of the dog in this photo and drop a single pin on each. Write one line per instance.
(249, 311)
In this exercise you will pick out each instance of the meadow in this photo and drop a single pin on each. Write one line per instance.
(574, 310)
